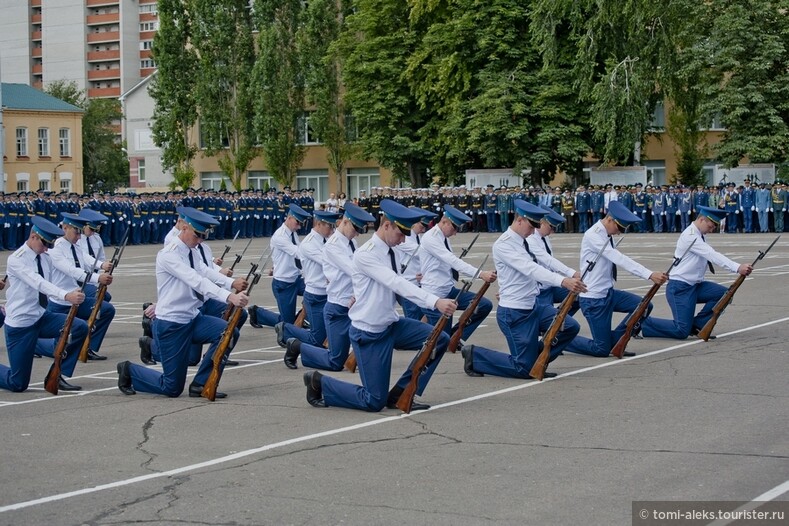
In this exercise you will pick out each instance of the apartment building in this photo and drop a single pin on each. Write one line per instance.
(102, 45)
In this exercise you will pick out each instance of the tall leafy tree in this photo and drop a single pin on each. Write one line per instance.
(279, 86)
(322, 25)
(172, 89)
(222, 39)
(103, 159)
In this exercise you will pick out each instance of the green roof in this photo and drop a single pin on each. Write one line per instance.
(23, 97)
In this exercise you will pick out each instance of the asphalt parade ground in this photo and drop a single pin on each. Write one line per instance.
(681, 421)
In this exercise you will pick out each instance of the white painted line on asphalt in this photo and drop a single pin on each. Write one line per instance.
(362, 425)
(755, 503)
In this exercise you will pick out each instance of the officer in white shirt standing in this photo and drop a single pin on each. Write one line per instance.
(686, 286)
(441, 269)
(27, 317)
(182, 285)
(338, 268)
(376, 329)
(602, 299)
(71, 264)
(519, 315)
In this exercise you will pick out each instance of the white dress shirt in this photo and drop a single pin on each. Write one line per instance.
(537, 244)
(23, 286)
(310, 252)
(693, 266)
(437, 263)
(600, 279)
(338, 268)
(408, 251)
(66, 274)
(519, 276)
(96, 243)
(284, 254)
(376, 285)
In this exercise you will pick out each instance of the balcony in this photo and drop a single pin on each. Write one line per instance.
(101, 56)
(36, 19)
(144, 72)
(104, 74)
(36, 52)
(36, 35)
(107, 36)
(37, 69)
(145, 53)
(35, 3)
(99, 93)
(38, 84)
(147, 35)
(99, 20)
(149, 17)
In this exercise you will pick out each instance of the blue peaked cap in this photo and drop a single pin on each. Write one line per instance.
(94, 219)
(552, 216)
(46, 229)
(73, 220)
(326, 217)
(427, 215)
(715, 215)
(529, 211)
(457, 217)
(404, 218)
(298, 212)
(623, 217)
(198, 220)
(357, 215)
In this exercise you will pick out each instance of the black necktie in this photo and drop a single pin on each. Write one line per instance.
(324, 240)
(74, 255)
(547, 248)
(199, 296)
(526, 246)
(455, 274)
(293, 240)
(90, 248)
(418, 242)
(202, 255)
(350, 244)
(613, 267)
(42, 298)
(709, 263)
(392, 260)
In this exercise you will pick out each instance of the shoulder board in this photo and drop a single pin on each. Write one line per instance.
(19, 252)
(332, 240)
(367, 247)
(170, 247)
(505, 236)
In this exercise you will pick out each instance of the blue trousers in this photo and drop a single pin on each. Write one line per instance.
(316, 334)
(337, 323)
(583, 222)
(374, 357)
(522, 328)
(267, 317)
(22, 341)
(683, 298)
(553, 295)
(174, 341)
(483, 309)
(216, 309)
(598, 314)
(285, 293)
(103, 320)
(763, 221)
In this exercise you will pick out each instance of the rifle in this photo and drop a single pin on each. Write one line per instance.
(468, 248)
(253, 270)
(637, 316)
(209, 389)
(100, 292)
(350, 363)
(463, 321)
(239, 256)
(719, 307)
(549, 338)
(227, 247)
(405, 264)
(52, 380)
(300, 316)
(428, 352)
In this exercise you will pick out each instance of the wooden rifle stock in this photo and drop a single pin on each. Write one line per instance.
(465, 317)
(719, 307)
(350, 363)
(100, 293)
(637, 316)
(424, 355)
(52, 380)
(300, 316)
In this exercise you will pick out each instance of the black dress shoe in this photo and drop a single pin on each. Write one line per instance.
(468, 361)
(292, 353)
(394, 396)
(312, 380)
(253, 316)
(145, 351)
(196, 391)
(63, 385)
(93, 356)
(124, 378)
(545, 375)
(695, 332)
(627, 354)
(279, 328)
(231, 363)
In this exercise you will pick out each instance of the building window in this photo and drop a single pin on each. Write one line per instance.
(149, 26)
(141, 170)
(212, 180)
(658, 118)
(43, 185)
(362, 179)
(147, 63)
(317, 179)
(43, 142)
(304, 132)
(146, 44)
(21, 142)
(148, 8)
(21, 186)
(65, 185)
(260, 180)
(656, 172)
(64, 134)
(351, 128)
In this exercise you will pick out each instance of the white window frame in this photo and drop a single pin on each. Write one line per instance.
(259, 179)
(43, 142)
(141, 170)
(21, 141)
(304, 134)
(64, 140)
(359, 179)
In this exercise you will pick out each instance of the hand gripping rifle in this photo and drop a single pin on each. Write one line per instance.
(428, 352)
(52, 380)
(719, 307)
(638, 315)
(100, 292)
(549, 338)
(252, 270)
(227, 247)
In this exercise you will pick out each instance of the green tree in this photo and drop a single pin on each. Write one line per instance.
(172, 89)
(222, 40)
(323, 21)
(103, 158)
(279, 87)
